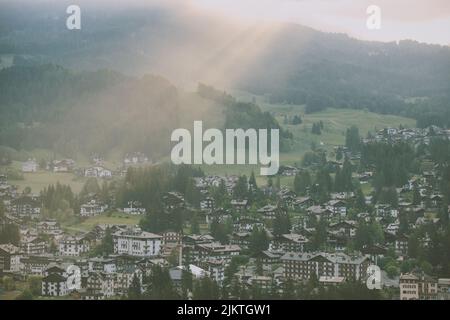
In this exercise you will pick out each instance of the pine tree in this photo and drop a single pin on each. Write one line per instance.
(134, 292)
(195, 228)
(252, 181)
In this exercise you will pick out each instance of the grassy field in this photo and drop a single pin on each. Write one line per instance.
(37, 181)
(89, 223)
(336, 122)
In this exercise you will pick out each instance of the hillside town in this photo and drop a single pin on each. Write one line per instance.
(211, 236)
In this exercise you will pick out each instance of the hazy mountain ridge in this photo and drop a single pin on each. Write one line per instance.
(287, 63)
(104, 112)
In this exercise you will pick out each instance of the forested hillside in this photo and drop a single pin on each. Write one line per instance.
(84, 113)
(287, 63)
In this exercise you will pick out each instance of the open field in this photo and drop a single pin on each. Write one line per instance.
(37, 181)
(336, 122)
(113, 218)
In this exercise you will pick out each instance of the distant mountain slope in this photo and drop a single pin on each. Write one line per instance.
(287, 63)
(81, 113)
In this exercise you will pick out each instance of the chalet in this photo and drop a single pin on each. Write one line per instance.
(365, 177)
(177, 272)
(215, 268)
(99, 231)
(73, 246)
(123, 279)
(220, 215)
(241, 239)
(195, 239)
(291, 242)
(33, 245)
(135, 242)
(343, 196)
(375, 251)
(262, 282)
(65, 165)
(49, 227)
(288, 171)
(393, 227)
(401, 244)
(10, 256)
(443, 289)
(102, 264)
(304, 265)
(347, 228)
(246, 224)
(7, 193)
(425, 220)
(37, 265)
(336, 240)
(216, 250)
(268, 212)
(172, 200)
(134, 208)
(418, 287)
(320, 212)
(27, 207)
(269, 257)
(207, 204)
(287, 198)
(203, 183)
(239, 205)
(97, 172)
(97, 160)
(302, 203)
(171, 237)
(436, 200)
(92, 208)
(176, 276)
(99, 286)
(337, 207)
(54, 285)
(30, 166)
(60, 269)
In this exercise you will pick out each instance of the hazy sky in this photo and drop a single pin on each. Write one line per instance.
(421, 20)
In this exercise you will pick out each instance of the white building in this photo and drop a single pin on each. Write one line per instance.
(30, 166)
(99, 285)
(92, 208)
(54, 285)
(9, 258)
(136, 242)
(73, 246)
(98, 172)
(134, 208)
(33, 245)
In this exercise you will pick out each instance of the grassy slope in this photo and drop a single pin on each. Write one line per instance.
(336, 122)
(89, 223)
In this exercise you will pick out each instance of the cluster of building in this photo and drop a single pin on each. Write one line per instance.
(48, 251)
(97, 170)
